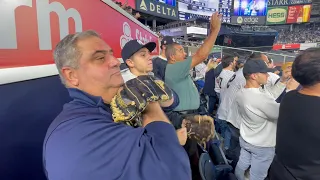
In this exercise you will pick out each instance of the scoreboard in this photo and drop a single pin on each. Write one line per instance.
(204, 8)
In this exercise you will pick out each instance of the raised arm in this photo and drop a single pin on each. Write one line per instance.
(205, 49)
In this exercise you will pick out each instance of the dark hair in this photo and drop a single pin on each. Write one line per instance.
(170, 50)
(255, 56)
(306, 67)
(226, 61)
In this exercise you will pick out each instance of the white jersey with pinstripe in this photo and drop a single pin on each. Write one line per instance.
(222, 80)
(235, 83)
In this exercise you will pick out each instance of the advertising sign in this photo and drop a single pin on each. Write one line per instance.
(260, 20)
(287, 2)
(250, 7)
(33, 28)
(299, 13)
(304, 46)
(286, 46)
(157, 9)
(199, 7)
(277, 15)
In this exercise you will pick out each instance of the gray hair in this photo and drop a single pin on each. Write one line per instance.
(170, 50)
(67, 54)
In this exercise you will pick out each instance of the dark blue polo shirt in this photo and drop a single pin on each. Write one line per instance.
(83, 143)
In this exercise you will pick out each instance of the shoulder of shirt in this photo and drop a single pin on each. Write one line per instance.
(76, 113)
(127, 75)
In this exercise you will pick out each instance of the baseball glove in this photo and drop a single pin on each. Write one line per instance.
(200, 128)
(128, 104)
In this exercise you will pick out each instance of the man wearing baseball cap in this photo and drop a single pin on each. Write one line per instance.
(137, 57)
(258, 112)
(160, 62)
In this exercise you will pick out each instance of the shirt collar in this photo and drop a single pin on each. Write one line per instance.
(86, 98)
(161, 57)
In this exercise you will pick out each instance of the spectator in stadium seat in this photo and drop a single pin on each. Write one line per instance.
(84, 142)
(138, 59)
(208, 88)
(228, 110)
(240, 64)
(229, 64)
(258, 112)
(292, 83)
(298, 137)
(178, 78)
(160, 62)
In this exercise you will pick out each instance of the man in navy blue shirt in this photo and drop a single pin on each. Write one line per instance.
(84, 142)
(160, 62)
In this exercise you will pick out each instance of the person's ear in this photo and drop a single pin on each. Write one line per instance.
(253, 76)
(70, 75)
(164, 47)
(173, 59)
(130, 63)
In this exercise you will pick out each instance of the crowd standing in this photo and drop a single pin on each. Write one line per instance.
(264, 119)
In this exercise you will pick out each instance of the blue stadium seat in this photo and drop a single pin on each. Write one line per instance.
(27, 109)
(206, 167)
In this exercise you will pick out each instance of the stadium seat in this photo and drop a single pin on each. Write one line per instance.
(28, 108)
(206, 167)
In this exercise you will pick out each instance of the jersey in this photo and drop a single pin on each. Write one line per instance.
(222, 80)
(235, 83)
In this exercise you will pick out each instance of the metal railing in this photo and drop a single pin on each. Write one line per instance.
(277, 57)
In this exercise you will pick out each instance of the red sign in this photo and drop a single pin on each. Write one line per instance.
(34, 27)
(131, 3)
(299, 13)
(286, 46)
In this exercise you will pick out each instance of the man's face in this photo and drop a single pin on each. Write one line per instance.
(98, 69)
(141, 61)
(262, 78)
(234, 63)
(180, 54)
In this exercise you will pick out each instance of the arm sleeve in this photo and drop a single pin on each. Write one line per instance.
(174, 104)
(276, 90)
(269, 107)
(93, 148)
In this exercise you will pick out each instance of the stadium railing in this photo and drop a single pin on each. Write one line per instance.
(278, 58)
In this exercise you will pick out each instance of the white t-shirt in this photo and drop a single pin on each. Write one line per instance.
(227, 110)
(200, 71)
(259, 113)
(222, 80)
(272, 79)
(127, 75)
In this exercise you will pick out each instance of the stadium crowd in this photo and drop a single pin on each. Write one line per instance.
(300, 34)
(266, 121)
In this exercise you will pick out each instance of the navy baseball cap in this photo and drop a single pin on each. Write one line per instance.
(255, 66)
(167, 40)
(134, 46)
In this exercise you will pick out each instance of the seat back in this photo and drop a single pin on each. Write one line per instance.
(27, 109)
(206, 167)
